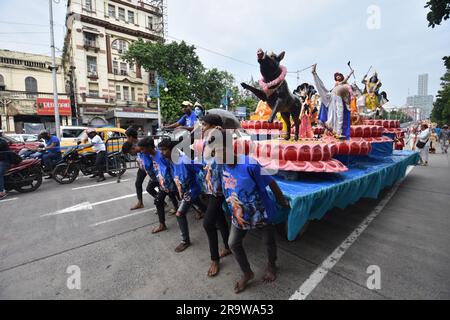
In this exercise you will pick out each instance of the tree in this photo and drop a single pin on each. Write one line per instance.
(186, 77)
(439, 11)
(441, 110)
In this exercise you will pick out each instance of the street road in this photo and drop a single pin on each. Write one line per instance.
(404, 234)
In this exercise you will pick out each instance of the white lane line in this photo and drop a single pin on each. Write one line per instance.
(98, 185)
(9, 200)
(123, 217)
(87, 206)
(320, 273)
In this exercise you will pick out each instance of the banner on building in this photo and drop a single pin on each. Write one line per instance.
(46, 107)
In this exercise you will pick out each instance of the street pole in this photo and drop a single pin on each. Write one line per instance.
(54, 68)
(158, 100)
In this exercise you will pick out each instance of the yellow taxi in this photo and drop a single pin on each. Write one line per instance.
(106, 134)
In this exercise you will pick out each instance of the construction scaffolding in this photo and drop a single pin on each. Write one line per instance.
(161, 6)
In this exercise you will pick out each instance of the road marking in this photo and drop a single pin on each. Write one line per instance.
(123, 217)
(8, 200)
(320, 273)
(98, 185)
(87, 206)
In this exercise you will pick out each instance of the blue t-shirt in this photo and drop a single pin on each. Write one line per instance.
(147, 161)
(53, 140)
(245, 191)
(188, 121)
(163, 172)
(185, 178)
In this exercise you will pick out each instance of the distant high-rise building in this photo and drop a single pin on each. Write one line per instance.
(423, 85)
(422, 100)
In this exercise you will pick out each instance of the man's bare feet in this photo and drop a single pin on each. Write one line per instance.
(214, 269)
(225, 253)
(138, 206)
(199, 216)
(161, 228)
(271, 274)
(242, 284)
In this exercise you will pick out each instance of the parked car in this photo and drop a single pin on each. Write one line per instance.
(16, 146)
(24, 137)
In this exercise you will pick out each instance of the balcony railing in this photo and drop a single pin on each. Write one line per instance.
(91, 43)
(23, 95)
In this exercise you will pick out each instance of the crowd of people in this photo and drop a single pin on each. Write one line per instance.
(210, 186)
(426, 138)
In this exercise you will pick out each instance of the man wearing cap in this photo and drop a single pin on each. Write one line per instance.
(188, 120)
(100, 149)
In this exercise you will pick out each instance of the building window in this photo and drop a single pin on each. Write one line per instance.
(133, 94)
(115, 67)
(91, 66)
(123, 69)
(131, 17)
(90, 40)
(126, 93)
(122, 14)
(2, 83)
(111, 10)
(120, 45)
(88, 5)
(150, 22)
(118, 95)
(94, 91)
(31, 87)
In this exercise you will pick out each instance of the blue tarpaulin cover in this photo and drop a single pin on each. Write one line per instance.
(316, 194)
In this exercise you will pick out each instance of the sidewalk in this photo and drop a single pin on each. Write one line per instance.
(409, 241)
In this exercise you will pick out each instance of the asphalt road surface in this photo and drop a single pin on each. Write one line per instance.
(394, 248)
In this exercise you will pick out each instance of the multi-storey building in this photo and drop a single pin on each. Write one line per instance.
(105, 88)
(26, 93)
(423, 100)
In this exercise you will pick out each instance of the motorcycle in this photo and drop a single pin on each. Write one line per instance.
(24, 177)
(73, 161)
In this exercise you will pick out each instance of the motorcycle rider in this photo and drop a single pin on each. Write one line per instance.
(52, 150)
(4, 166)
(100, 149)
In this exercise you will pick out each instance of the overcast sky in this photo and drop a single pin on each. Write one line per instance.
(399, 44)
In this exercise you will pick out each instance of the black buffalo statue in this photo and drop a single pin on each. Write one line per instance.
(276, 91)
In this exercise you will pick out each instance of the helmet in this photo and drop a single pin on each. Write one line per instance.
(90, 130)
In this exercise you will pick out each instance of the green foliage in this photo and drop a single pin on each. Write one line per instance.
(441, 110)
(186, 77)
(439, 11)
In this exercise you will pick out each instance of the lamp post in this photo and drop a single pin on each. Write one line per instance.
(156, 93)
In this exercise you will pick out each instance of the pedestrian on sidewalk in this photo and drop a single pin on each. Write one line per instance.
(444, 137)
(215, 218)
(423, 144)
(184, 173)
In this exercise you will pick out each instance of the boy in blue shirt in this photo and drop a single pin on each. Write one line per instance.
(185, 177)
(244, 187)
(161, 180)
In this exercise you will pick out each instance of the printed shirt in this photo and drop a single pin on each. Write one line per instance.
(53, 140)
(163, 172)
(188, 121)
(185, 178)
(211, 175)
(245, 191)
